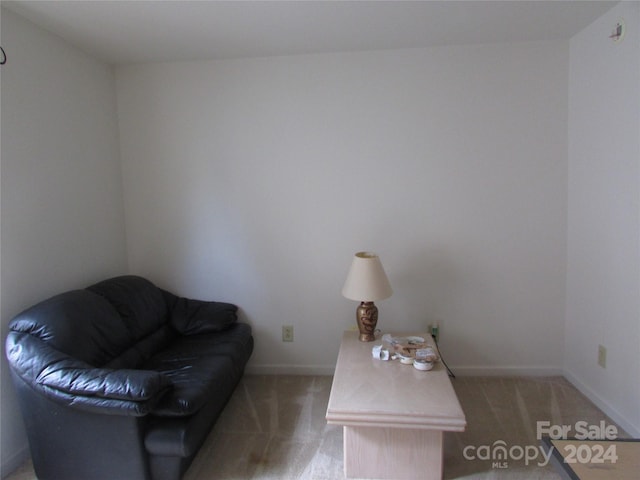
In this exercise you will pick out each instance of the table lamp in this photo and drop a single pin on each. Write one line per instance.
(366, 282)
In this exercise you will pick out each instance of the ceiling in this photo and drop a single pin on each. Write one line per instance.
(131, 31)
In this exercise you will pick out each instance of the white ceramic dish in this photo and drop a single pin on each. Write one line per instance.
(421, 364)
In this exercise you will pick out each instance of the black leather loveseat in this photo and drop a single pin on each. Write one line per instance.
(123, 380)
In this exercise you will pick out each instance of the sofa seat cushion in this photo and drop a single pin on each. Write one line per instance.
(199, 367)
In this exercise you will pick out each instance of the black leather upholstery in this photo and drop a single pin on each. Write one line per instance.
(123, 362)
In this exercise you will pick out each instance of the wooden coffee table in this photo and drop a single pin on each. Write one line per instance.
(393, 415)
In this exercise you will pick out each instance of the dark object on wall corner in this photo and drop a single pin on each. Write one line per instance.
(123, 379)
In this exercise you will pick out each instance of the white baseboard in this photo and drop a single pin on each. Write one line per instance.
(473, 371)
(491, 371)
(14, 462)
(290, 369)
(633, 430)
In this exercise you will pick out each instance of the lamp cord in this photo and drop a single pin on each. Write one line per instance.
(442, 358)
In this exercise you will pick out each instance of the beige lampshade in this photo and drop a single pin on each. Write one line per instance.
(366, 281)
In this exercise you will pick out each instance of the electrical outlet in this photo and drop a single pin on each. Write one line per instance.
(602, 356)
(434, 331)
(287, 333)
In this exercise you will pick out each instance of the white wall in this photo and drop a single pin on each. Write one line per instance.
(61, 197)
(255, 181)
(603, 273)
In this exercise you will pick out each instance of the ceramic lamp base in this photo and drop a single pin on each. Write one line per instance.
(367, 316)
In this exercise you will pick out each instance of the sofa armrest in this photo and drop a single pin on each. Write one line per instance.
(191, 317)
(73, 382)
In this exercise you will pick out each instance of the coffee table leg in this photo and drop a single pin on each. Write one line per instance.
(392, 453)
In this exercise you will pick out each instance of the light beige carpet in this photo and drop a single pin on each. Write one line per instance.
(274, 428)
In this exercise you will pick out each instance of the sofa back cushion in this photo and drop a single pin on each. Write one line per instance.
(117, 323)
(79, 323)
(143, 311)
(139, 303)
